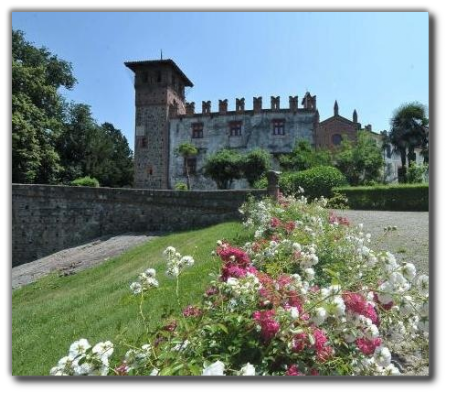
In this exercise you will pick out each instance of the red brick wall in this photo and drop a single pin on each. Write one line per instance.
(331, 126)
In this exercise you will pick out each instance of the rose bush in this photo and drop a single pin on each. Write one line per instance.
(305, 296)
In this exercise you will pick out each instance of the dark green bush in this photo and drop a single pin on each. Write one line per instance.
(261, 183)
(86, 181)
(316, 182)
(391, 198)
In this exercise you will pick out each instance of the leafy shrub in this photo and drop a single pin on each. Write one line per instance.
(416, 173)
(224, 167)
(180, 186)
(255, 164)
(392, 197)
(338, 201)
(306, 296)
(261, 183)
(86, 181)
(316, 182)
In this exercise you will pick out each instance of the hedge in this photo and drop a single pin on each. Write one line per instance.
(86, 181)
(387, 197)
(316, 182)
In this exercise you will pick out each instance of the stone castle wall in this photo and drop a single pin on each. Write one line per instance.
(46, 219)
(256, 132)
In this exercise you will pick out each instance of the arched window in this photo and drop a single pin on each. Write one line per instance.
(336, 139)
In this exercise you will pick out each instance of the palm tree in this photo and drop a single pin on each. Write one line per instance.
(186, 150)
(409, 130)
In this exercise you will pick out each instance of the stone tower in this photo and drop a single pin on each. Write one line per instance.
(159, 95)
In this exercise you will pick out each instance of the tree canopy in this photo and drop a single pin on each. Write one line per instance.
(37, 111)
(361, 161)
(409, 130)
(54, 141)
(304, 156)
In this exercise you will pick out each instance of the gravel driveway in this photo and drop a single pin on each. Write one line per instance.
(410, 242)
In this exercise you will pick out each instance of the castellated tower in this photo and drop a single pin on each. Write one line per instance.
(159, 95)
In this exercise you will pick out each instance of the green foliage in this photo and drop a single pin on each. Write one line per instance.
(416, 173)
(338, 201)
(261, 183)
(88, 149)
(53, 141)
(255, 165)
(110, 158)
(316, 182)
(360, 162)
(224, 167)
(304, 157)
(409, 130)
(390, 198)
(186, 150)
(37, 107)
(180, 186)
(86, 181)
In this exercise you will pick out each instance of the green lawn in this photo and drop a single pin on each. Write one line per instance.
(96, 304)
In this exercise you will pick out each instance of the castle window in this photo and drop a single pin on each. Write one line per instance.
(336, 139)
(278, 127)
(159, 76)
(191, 163)
(235, 129)
(197, 130)
(141, 142)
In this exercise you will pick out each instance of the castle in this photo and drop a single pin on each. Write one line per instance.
(164, 120)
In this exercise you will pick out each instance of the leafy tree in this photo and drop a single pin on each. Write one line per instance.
(361, 161)
(409, 130)
(109, 158)
(224, 167)
(186, 150)
(304, 157)
(255, 165)
(37, 111)
(80, 130)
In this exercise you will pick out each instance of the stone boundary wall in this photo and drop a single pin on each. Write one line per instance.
(46, 219)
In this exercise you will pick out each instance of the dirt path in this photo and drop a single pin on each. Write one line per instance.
(72, 260)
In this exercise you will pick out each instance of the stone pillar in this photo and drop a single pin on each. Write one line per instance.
(190, 108)
(257, 104)
(206, 107)
(240, 105)
(293, 104)
(223, 106)
(273, 184)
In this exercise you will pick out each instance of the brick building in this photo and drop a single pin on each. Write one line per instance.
(164, 120)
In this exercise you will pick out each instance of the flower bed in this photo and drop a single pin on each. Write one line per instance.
(305, 296)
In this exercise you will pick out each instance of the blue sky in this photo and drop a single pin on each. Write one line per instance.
(371, 61)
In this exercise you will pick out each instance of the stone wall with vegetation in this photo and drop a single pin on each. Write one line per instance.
(46, 219)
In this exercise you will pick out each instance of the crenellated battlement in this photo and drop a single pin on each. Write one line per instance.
(309, 104)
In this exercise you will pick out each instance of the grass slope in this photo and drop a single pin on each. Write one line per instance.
(96, 304)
